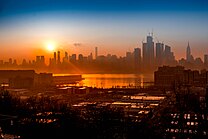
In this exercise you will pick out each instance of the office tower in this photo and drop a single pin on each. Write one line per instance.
(167, 51)
(73, 57)
(42, 60)
(159, 53)
(80, 57)
(188, 53)
(96, 52)
(129, 56)
(169, 57)
(66, 56)
(129, 61)
(137, 59)
(90, 57)
(59, 58)
(10, 61)
(148, 53)
(54, 57)
(38, 61)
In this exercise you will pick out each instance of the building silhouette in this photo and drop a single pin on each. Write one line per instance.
(54, 57)
(168, 77)
(59, 58)
(169, 57)
(73, 58)
(159, 53)
(66, 58)
(189, 57)
(144, 59)
(17, 78)
(137, 59)
(148, 53)
(96, 52)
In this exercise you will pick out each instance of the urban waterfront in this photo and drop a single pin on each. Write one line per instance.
(115, 80)
(103, 69)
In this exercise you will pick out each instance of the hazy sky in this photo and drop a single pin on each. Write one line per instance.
(114, 26)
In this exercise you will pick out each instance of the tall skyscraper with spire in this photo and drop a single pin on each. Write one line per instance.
(188, 53)
(189, 57)
(148, 53)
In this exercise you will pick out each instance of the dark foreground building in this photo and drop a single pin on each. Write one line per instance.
(167, 77)
(17, 78)
(30, 79)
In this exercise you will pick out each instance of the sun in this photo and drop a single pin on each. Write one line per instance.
(50, 47)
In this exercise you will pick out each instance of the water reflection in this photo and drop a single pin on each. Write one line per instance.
(116, 80)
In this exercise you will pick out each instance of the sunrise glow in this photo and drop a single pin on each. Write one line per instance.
(50, 47)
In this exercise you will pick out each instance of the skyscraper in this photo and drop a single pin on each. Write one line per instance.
(73, 58)
(59, 58)
(42, 59)
(96, 52)
(167, 51)
(188, 53)
(148, 53)
(38, 60)
(129, 57)
(80, 57)
(66, 56)
(159, 53)
(169, 58)
(137, 59)
(54, 57)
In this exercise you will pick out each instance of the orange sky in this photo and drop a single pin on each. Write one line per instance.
(26, 26)
(28, 50)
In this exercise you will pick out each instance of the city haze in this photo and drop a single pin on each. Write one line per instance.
(105, 69)
(113, 26)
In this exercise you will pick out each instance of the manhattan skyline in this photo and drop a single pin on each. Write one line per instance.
(114, 27)
(145, 60)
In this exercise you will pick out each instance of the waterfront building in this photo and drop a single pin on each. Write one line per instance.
(169, 76)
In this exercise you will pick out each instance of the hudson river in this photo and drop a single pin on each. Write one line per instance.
(115, 80)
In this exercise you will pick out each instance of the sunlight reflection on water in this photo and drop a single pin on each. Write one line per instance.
(115, 80)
